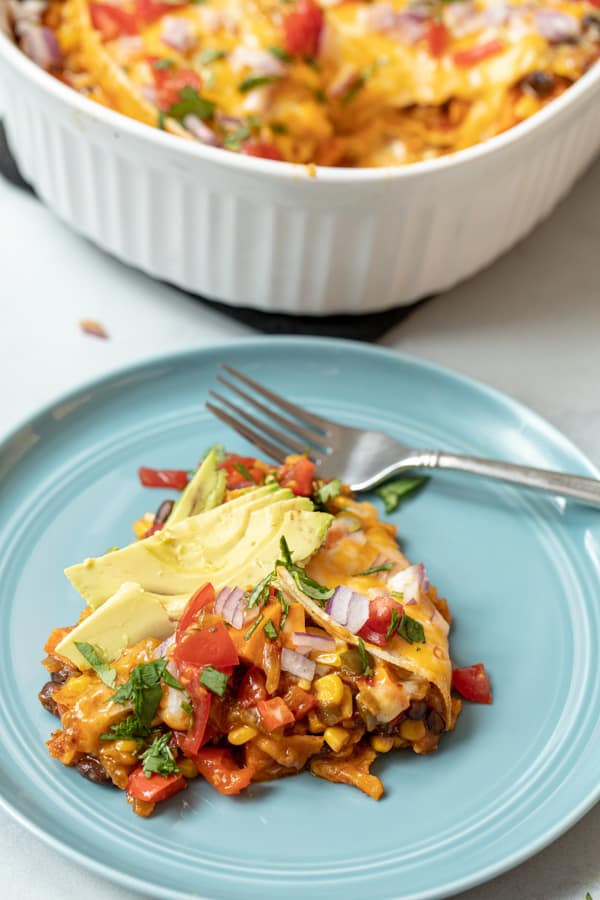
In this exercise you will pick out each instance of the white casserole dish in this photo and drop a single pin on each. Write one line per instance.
(251, 232)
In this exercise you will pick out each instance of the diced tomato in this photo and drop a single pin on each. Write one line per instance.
(252, 688)
(262, 149)
(302, 29)
(299, 701)
(190, 741)
(275, 713)
(169, 84)
(472, 683)
(298, 474)
(236, 468)
(477, 53)
(203, 597)
(148, 11)
(220, 769)
(377, 625)
(211, 646)
(155, 788)
(595, 3)
(163, 478)
(438, 38)
(112, 21)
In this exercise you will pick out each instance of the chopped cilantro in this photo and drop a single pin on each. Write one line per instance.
(163, 63)
(304, 583)
(191, 103)
(256, 81)
(285, 552)
(398, 595)
(328, 491)
(270, 630)
(214, 680)
(241, 468)
(365, 658)
(281, 54)
(279, 128)
(130, 729)
(393, 624)
(161, 120)
(100, 667)
(187, 707)
(158, 758)
(411, 630)
(384, 567)
(285, 606)
(144, 691)
(253, 627)
(394, 491)
(260, 594)
(210, 55)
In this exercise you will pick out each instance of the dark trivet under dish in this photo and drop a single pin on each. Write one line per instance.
(365, 327)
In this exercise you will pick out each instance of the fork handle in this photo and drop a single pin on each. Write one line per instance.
(585, 489)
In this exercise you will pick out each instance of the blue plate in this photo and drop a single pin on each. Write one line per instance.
(520, 571)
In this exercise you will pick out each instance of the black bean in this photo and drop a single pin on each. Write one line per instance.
(92, 769)
(46, 699)
(539, 83)
(163, 512)
(61, 675)
(435, 722)
(417, 709)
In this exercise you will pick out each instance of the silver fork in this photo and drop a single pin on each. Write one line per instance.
(360, 458)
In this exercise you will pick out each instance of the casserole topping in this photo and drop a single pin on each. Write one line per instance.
(264, 623)
(335, 82)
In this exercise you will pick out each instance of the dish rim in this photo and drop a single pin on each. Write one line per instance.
(286, 171)
(175, 358)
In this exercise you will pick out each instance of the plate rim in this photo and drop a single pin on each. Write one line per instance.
(177, 358)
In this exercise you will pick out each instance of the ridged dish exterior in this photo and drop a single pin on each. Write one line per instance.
(273, 237)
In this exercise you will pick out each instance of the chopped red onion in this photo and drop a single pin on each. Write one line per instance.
(321, 643)
(27, 11)
(162, 648)
(230, 123)
(148, 92)
(231, 605)
(261, 62)
(337, 605)
(437, 619)
(408, 25)
(222, 598)
(178, 34)
(557, 27)
(410, 581)
(297, 665)
(200, 131)
(348, 76)
(358, 612)
(41, 46)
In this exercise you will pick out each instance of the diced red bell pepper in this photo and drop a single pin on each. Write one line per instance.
(163, 478)
(298, 474)
(302, 29)
(147, 11)
(220, 769)
(438, 38)
(262, 149)
(112, 21)
(275, 713)
(155, 788)
(211, 646)
(477, 53)
(472, 683)
(203, 597)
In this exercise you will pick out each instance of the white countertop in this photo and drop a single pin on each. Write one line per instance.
(528, 325)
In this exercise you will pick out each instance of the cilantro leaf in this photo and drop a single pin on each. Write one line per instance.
(158, 758)
(100, 667)
(163, 63)
(130, 729)
(214, 680)
(281, 54)
(393, 624)
(260, 594)
(270, 630)
(191, 103)
(384, 567)
(253, 627)
(411, 630)
(365, 658)
(210, 55)
(143, 689)
(233, 141)
(241, 468)
(255, 81)
(328, 491)
(394, 491)
(304, 582)
(285, 606)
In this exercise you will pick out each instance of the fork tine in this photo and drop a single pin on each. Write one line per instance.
(307, 417)
(313, 437)
(276, 453)
(291, 442)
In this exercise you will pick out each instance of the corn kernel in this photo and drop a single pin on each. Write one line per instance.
(328, 659)
(304, 683)
(241, 735)
(315, 726)
(187, 768)
(337, 738)
(329, 690)
(382, 743)
(400, 743)
(125, 752)
(141, 526)
(347, 703)
(412, 730)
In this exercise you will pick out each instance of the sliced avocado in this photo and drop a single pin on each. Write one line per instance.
(130, 615)
(235, 543)
(205, 491)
